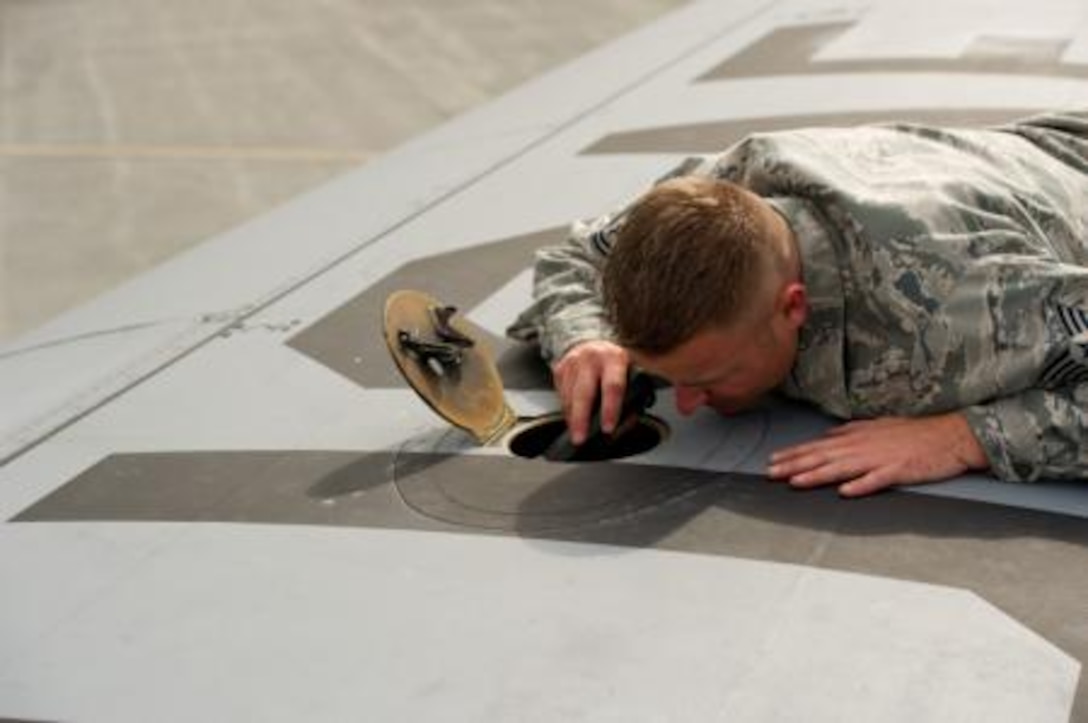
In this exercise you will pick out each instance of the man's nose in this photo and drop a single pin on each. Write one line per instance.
(688, 399)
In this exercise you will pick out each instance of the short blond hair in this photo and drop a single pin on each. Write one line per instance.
(692, 253)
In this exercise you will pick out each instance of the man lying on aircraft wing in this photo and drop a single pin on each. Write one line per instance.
(930, 284)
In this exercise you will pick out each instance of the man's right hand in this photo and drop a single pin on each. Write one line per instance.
(586, 369)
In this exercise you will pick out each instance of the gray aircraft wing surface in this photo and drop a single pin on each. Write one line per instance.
(221, 501)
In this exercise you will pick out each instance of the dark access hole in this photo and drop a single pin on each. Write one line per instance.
(647, 433)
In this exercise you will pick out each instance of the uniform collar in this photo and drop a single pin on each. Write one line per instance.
(819, 372)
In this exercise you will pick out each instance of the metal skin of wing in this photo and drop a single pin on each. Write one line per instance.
(243, 512)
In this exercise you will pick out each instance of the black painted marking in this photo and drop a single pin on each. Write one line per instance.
(532, 497)
(716, 136)
(791, 51)
(349, 339)
(1030, 564)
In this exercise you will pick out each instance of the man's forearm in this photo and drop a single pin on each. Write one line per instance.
(866, 456)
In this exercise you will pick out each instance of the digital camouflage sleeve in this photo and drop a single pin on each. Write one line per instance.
(947, 269)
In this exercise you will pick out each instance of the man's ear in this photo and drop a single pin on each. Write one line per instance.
(794, 303)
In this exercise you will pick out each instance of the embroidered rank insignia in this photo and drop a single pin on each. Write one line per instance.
(1078, 348)
(1070, 365)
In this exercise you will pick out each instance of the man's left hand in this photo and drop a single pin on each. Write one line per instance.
(863, 457)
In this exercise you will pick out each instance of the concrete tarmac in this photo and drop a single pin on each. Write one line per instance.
(131, 131)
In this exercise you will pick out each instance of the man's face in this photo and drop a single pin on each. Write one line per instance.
(727, 369)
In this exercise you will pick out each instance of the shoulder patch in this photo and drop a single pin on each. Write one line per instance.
(604, 236)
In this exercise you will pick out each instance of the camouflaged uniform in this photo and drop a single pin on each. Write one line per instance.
(946, 269)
